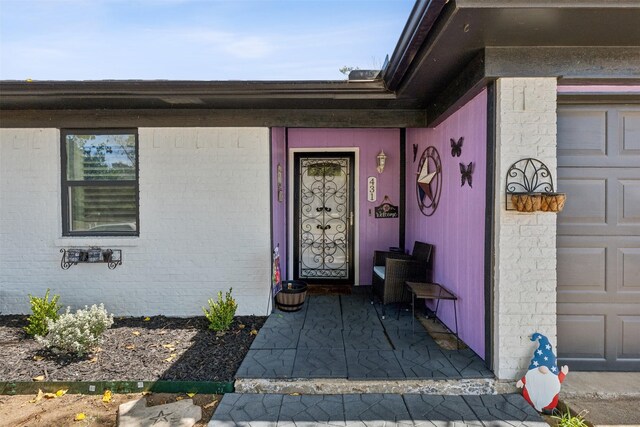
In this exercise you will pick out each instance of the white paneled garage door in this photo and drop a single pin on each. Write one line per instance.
(599, 236)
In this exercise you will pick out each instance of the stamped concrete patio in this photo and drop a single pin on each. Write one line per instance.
(374, 410)
(321, 366)
(345, 337)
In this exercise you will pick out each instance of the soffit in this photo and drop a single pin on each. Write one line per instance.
(196, 94)
(465, 27)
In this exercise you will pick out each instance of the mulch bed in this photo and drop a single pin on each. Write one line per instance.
(162, 348)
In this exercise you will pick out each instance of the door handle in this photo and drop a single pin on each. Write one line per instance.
(351, 218)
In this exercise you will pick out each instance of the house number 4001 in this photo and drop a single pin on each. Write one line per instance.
(372, 183)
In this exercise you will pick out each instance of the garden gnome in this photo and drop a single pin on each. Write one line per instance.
(541, 384)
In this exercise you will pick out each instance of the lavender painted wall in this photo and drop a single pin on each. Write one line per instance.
(373, 233)
(457, 227)
(279, 231)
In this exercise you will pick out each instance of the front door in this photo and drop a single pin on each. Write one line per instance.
(323, 218)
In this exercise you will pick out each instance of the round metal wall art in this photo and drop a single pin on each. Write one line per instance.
(429, 181)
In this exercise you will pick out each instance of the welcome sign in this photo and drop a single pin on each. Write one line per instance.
(386, 209)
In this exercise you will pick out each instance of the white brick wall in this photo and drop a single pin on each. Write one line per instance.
(204, 224)
(525, 254)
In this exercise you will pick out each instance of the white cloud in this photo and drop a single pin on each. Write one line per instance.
(237, 45)
(86, 40)
(250, 48)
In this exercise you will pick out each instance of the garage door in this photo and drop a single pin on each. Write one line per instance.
(599, 237)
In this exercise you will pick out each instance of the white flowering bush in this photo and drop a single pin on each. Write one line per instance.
(77, 333)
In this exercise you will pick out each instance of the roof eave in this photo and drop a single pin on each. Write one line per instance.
(421, 20)
(435, 63)
(259, 94)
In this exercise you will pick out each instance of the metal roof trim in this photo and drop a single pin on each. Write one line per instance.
(419, 24)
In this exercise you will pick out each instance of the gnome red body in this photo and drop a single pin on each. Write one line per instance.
(541, 384)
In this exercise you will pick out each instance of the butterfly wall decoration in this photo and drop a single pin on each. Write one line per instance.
(456, 147)
(466, 174)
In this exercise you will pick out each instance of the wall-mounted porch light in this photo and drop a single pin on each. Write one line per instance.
(381, 158)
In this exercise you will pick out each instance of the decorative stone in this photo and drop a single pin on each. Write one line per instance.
(136, 413)
(343, 386)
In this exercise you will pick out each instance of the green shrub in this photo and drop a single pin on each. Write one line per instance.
(565, 419)
(221, 312)
(42, 310)
(77, 333)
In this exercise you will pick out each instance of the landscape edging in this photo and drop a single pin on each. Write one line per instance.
(120, 387)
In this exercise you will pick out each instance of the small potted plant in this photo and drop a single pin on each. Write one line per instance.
(73, 255)
(107, 255)
(94, 255)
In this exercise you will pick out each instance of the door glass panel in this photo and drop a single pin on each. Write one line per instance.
(324, 218)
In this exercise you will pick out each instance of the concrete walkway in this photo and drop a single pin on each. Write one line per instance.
(606, 385)
(607, 398)
(380, 410)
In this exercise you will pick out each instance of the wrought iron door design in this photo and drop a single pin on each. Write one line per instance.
(323, 250)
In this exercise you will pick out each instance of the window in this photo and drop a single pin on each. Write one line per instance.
(100, 182)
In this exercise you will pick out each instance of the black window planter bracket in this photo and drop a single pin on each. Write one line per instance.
(92, 255)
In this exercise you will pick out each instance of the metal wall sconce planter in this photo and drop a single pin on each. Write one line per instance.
(93, 255)
(381, 159)
(529, 188)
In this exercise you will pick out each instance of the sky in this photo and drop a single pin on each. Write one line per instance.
(196, 39)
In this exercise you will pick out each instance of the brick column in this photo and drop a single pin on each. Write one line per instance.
(525, 243)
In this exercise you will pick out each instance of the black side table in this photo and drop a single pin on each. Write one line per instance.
(423, 290)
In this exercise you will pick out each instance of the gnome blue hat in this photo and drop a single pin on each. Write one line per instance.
(543, 356)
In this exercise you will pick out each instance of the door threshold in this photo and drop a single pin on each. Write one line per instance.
(324, 289)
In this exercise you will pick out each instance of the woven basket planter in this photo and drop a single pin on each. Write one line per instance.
(552, 202)
(526, 202)
(292, 295)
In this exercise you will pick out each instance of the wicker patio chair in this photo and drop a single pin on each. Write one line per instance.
(391, 270)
